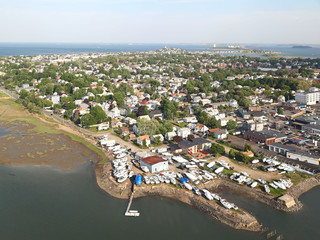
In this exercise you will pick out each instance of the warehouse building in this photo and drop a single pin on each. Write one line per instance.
(154, 164)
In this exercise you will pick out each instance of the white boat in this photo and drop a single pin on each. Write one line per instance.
(266, 188)
(187, 186)
(191, 176)
(121, 155)
(207, 194)
(173, 180)
(156, 180)
(254, 184)
(130, 174)
(219, 170)
(280, 185)
(262, 181)
(225, 203)
(145, 169)
(255, 161)
(146, 180)
(122, 179)
(273, 186)
(211, 164)
(215, 196)
(272, 169)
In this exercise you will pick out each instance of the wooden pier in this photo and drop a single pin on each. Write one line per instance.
(131, 213)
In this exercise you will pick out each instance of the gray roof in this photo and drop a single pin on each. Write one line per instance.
(275, 134)
(200, 140)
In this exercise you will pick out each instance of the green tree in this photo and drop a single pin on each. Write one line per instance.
(231, 153)
(87, 120)
(217, 148)
(280, 110)
(98, 114)
(232, 125)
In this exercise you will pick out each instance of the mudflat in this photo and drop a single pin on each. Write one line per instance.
(34, 142)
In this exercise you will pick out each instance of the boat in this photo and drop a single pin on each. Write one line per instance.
(207, 194)
(255, 161)
(138, 179)
(173, 180)
(219, 170)
(215, 196)
(182, 180)
(191, 176)
(254, 184)
(266, 188)
(130, 174)
(146, 180)
(187, 186)
(226, 204)
(273, 185)
(161, 179)
(167, 180)
(145, 169)
(122, 178)
(262, 181)
(196, 190)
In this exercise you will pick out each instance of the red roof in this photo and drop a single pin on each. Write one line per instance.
(144, 102)
(153, 160)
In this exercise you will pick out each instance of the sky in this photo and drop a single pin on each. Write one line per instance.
(161, 21)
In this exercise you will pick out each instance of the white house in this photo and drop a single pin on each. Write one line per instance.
(156, 136)
(224, 121)
(184, 132)
(143, 139)
(170, 135)
(221, 134)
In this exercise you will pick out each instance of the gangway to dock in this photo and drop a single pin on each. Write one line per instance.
(131, 213)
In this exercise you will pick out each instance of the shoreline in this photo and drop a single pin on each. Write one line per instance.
(241, 221)
(236, 220)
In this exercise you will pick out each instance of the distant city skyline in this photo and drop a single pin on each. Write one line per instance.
(156, 21)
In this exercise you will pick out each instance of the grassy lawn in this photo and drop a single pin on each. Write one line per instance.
(95, 129)
(277, 192)
(183, 124)
(2, 94)
(297, 177)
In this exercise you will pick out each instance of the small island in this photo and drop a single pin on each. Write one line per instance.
(300, 46)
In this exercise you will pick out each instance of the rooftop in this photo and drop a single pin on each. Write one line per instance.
(153, 160)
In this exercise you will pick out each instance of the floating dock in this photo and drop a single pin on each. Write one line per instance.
(131, 213)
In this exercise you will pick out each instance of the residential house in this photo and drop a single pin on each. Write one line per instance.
(116, 123)
(160, 136)
(124, 131)
(221, 134)
(170, 135)
(144, 140)
(200, 128)
(156, 114)
(224, 121)
(184, 132)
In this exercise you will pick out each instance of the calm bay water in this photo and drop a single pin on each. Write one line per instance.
(13, 49)
(47, 203)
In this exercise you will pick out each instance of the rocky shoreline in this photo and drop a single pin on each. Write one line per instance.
(241, 220)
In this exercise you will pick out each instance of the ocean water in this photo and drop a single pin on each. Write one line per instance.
(13, 49)
(39, 203)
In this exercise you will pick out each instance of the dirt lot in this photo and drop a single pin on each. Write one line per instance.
(253, 173)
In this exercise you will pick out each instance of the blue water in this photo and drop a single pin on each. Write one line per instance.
(13, 49)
